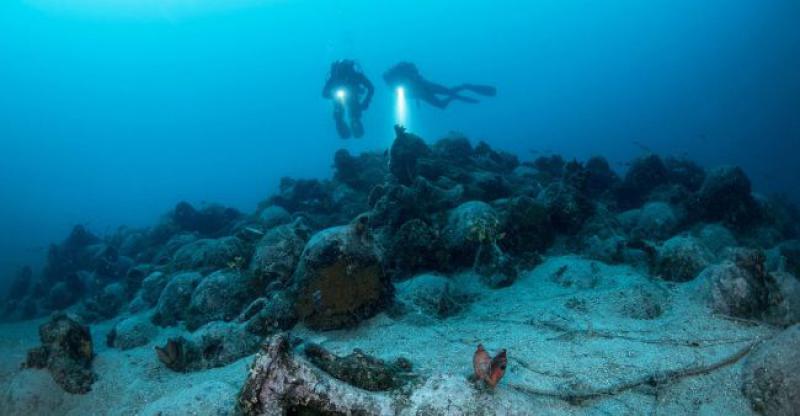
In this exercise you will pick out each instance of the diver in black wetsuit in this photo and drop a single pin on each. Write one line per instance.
(406, 75)
(345, 85)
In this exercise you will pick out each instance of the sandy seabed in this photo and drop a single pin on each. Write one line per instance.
(583, 338)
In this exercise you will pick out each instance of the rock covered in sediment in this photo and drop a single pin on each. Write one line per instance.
(715, 237)
(214, 345)
(771, 375)
(219, 296)
(469, 225)
(273, 216)
(268, 315)
(740, 286)
(277, 253)
(152, 285)
(132, 332)
(681, 259)
(105, 304)
(66, 352)
(567, 207)
(432, 296)
(280, 382)
(175, 298)
(359, 369)
(653, 221)
(786, 310)
(340, 279)
(210, 254)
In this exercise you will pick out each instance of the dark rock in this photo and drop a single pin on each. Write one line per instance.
(488, 186)
(725, 197)
(526, 225)
(361, 173)
(135, 277)
(685, 173)
(70, 256)
(303, 195)
(406, 150)
(212, 220)
(599, 176)
(771, 375)
(220, 296)
(550, 168)
(398, 204)
(359, 369)
(790, 257)
(486, 158)
(782, 214)
(416, 246)
(21, 284)
(66, 352)
(340, 280)
(644, 175)
(567, 208)
(64, 294)
(175, 298)
(455, 148)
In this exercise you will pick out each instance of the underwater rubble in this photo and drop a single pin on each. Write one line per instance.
(422, 234)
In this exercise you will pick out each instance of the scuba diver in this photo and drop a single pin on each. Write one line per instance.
(407, 76)
(345, 85)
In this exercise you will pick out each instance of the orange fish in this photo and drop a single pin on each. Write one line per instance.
(498, 368)
(482, 363)
(488, 369)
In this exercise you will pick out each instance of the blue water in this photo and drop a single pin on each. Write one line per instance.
(112, 111)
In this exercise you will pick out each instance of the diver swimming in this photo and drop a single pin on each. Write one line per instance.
(346, 85)
(405, 75)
